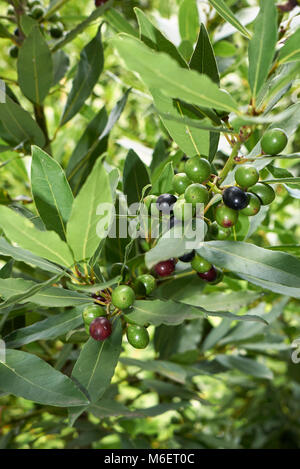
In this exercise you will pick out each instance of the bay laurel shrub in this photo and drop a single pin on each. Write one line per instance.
(154, 340)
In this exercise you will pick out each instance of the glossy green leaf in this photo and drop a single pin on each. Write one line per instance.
(35, 69)
(54, 297)
(48, 329)
(262, 46)
(25, 375)
(19, 125)
(158, 70)
(92, 211)
(22, 255)
(227, 14)
(250, 260)
(89, 69)
(203, 59)
(290, 52)
(188, 20)
(61, 64)
(51, 192)
(135, 178)
(119, 22)
(163, 184)
(245, 365)
(45, 244)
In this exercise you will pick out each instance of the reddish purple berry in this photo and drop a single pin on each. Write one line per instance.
(100, 328)
(98, 3)
(209, 276)
(165, 268)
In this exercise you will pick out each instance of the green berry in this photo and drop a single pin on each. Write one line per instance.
(14, 52)
(57, 30)
(253, 206)
(137, 336)
(264, 192)
(274, 141)
(37, 12)
(225, 216)
(91, 312)
(10, 11)
(246, 176)
(150, 204)
(218, 232)
(123, 297)
(200, 264)
(147, 281)
(180, 182)
(183, 210)
(118, 268)
(54, 18)
(196, 194)
(198, 169)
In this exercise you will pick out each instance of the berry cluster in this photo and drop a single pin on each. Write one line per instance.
(36, 10)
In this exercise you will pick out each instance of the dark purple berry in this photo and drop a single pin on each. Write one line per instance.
(235, 198)
(98, 3)
(165, 203)
(165, 268)
(188, 257)
(100, 328)
(209, 276)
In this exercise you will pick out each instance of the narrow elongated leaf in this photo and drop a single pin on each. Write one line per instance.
(91, 214)
(119, 23)
(46, 244)
(262, 45)
(188, 20)
(22, 255)
(51, 296)
(89, 68)
(27, 376)
(247, 259)
(154, 39)
(203, 59)
(35, 69)
(61, 64)
(6, 270)
(273, 286)
(293, 180)
(227, 14)
(51, 192)
(163, 184)
(169, 312)
(48, 329)
(160, 71)
(168, 369)
(245, 365)
(135, 178)
(19, 125)
(290, 52)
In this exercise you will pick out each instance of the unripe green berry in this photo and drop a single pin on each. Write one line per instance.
(264, 192)
(180, 182)
(147, 281)
(183, 210)
(91, 312)
(122, 297)
(137, 336)
(198, 169)
(253, 206)
(274, 141)
(196, 194)
(225, 216)
(246, 176)
(200, 264)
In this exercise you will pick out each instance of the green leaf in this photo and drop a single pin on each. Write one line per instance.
(227, 14)
(88, 71)
(292, 180)
(22, 255)
(135, 178)
(35, 69)
(54, 297)
(290, 52)
(169, 312)
(51, 192)
(6, 270)
(90, 214)
(19, 125)
(154, 39)
(168, 369)
(4, 32)
(163, 184)
(48, 329)
(245, 365)
(188, 20)
(250, 260)
(203, 59)
(262, 45)
(218, 301)
(61, 64)
(158, 70)
(28, 376)
(46, 244)
(225, 49)
(27, 24)
(119, 23)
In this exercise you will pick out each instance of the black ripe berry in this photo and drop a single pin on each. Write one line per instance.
(209, 276)
(165, 203)
(98, 3)
(188, 257)
(100, 328)
(165, 268)
(235, 198)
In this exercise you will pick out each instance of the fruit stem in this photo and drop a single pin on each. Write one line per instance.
(230, 162)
